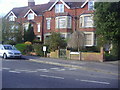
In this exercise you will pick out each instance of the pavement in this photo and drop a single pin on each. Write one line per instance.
(108, 67)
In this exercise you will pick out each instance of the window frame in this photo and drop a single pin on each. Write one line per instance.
(39, 36)
(48, 23)
(31, 16)
(11, 18)
(38, 27)
(67, 21)
(59, 8)
(82, 21)
(89, 5)
(92, 39)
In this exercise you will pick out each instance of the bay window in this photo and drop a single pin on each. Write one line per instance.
(63, 22)
(86, 21)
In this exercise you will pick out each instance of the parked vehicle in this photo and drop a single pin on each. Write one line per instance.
(9, 51)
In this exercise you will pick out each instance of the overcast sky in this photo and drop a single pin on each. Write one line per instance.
(7, 5)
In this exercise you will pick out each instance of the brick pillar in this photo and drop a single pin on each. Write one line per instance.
(101, 54)
(68, 54)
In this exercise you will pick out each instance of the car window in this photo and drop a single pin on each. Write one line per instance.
(1, 48)
(9, 48)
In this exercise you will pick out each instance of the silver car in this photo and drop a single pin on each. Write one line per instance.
(9, 51)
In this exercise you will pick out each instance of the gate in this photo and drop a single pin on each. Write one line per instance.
(62, 53)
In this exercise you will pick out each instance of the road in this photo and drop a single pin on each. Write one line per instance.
(22, 73)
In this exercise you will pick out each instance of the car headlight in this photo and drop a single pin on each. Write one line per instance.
(10, 53)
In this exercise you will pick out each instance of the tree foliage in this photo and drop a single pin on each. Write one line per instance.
(77, 40)
(29, 34)
(11, 32)
(107, 22)
(55, 41)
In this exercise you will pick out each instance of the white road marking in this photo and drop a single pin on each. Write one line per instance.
(54, 68)
(25, 70)
(14, 71)
(51, 76)
(94, 81)
(60, 70)
(41, 69)
(72, 68)
(31, 71)
(6, 68)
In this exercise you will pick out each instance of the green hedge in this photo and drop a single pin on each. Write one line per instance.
(38, 49)
(24, 48)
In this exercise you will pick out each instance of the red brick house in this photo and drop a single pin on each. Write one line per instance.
(63, 16)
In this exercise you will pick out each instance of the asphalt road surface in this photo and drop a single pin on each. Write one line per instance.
(21, 73)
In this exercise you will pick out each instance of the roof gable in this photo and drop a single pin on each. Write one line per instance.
(84, 3)
(11, 12)
(57, 2)
(30, 10)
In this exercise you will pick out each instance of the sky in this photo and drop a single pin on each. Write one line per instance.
(7, 5)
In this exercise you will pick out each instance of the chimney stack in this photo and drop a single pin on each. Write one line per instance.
(31, 3)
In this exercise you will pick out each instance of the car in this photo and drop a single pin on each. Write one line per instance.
(9, 51)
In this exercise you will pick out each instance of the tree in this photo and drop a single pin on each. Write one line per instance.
(77, 40)
(29, 34)
(11, 32)
(107, 22)
(55, 41)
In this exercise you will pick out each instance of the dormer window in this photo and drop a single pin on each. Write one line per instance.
(91, 5)
(11, 18)
(59, 8)
(30, 16)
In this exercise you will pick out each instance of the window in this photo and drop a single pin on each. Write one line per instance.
(48, 22)
(89, 38)
(63, 36)
(26, 25)
(38, 37)
(59, 8)
(91, 5)
(38, 27)
(30, 16)
(11, 18)
(63, 22)
(86, 21)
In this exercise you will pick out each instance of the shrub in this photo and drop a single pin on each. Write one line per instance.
(28, 43)
(38, 48)
(24, 48)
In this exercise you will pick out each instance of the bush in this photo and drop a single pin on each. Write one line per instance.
(24, 48)
(28, 43)
(38, 49)
(110, 57)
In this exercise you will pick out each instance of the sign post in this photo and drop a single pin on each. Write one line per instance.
(44, 49)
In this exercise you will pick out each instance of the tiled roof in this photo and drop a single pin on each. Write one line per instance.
(39, 9)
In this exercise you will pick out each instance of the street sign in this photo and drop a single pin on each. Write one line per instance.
(44, 48)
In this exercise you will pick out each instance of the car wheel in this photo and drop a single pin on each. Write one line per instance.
(4, 56)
